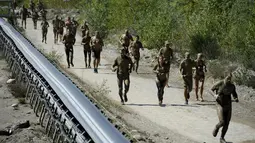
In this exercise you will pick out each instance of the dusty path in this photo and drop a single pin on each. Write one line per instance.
(194, 121)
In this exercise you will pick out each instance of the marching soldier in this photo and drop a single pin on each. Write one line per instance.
(135, 52)
(161, 70)
(55, 23)
(84, 28)
(223, 90)
(44, 26)
(43, 13)
(96, 44)
(123, 65)
(61, 29)
(86, 49)
(68, 24)
(199, 75)
(69, 40)
(186, 70)
(125, 40)
(35, 18)
(75, 26)
(32, 6)
(167, 54)
(24, 14)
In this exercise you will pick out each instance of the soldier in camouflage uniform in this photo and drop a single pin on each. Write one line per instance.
(86, 49)
(44, 26)
(123, 65)
(61, 29)
(125, 40)
(24, 15)
(35, 18)
(96, 44)
(69, 40)
(84, 28)
(55, 23)
(200, 75)
(161, 69)
(186, 70)
(135, 47)
(223, 90)
(167, 54)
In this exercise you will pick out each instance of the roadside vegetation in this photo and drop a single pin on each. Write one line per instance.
(223, 31)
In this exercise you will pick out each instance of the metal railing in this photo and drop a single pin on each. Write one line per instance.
(63, 110)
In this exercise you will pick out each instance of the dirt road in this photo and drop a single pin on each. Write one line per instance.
(195, 122)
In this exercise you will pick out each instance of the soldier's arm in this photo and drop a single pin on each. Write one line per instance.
(114, 68)
(216, 86)
(64, 39)
(131, 65)
(155, 69)
(83, 41)
(141, 46)
(171, 55)
(234, 94)
(205, 66)
(181, 67)
(160, 52)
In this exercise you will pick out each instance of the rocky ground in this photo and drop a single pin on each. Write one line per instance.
(11, 94)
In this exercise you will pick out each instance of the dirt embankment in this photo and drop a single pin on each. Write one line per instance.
(10, 117)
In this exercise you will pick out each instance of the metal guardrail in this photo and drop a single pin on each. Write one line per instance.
(71, 116)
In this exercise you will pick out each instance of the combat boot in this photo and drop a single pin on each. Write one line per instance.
(160, 103)
(215, 131)
(222, 140)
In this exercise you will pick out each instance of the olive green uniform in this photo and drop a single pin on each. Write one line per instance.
(69, 40)
(32, 6)
(61, 29)
(84, 28)
(186, 69)
(86, 49)
(75, 26)
(35, 18)
(124, 68)
(167, 54)
(24, 14)
(135, 52)
(55, 23)
(44, 26)
(161, 79)
(125, 41)
(224, 105)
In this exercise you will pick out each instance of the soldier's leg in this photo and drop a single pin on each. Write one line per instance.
(42, 35)
(22, 22)
(120, 82)
(85, 57)
(196, 87)
(35, 23)
(89, 54)
(202, 89)
(25, 23)
(137, 65)
(186, 90)
(221, 119)
(227, 118)
(166, 84)
(67, 51)
(45, 37)
(127, 84)
(71, 56)
(159, 89)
